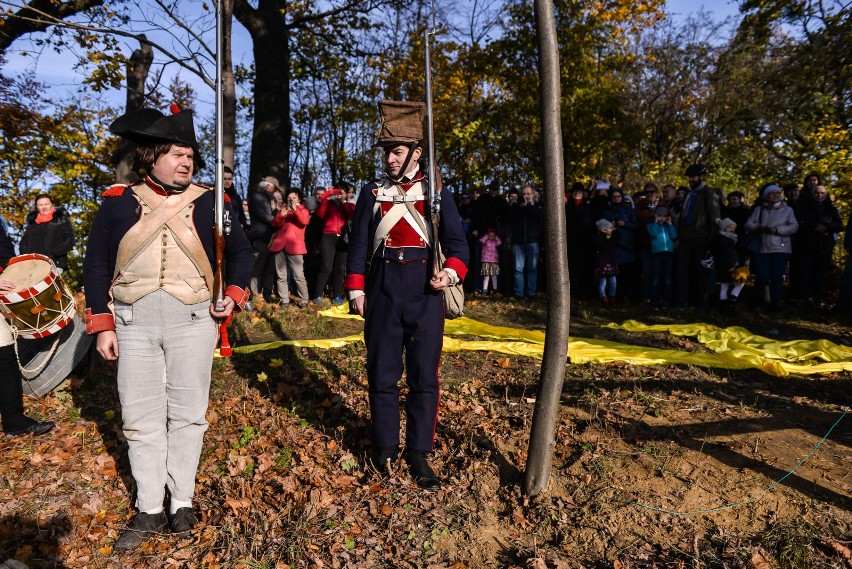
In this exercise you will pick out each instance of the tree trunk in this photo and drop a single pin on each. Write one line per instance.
(37, 16)
(137, 73)
(273, 126)
(540, 453)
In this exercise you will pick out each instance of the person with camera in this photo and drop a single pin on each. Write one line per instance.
(526, 235)
(775, 222)
(288, 248)
(334, 209)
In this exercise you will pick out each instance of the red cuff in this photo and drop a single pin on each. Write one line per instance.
(98, 322)
(240, 295)
(353, 282)
(458, 266)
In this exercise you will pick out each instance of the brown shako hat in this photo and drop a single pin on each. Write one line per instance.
(402, 123)
(148, 127)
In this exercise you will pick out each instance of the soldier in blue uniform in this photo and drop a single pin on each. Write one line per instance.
(391, 284)
(149, 281)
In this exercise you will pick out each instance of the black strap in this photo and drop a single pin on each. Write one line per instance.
(404, 169)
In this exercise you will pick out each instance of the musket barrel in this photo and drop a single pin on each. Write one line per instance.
(219, 185)
(434, 196)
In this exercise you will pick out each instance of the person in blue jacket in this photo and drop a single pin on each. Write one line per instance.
(391, 284)
(663, 237)
(149, 294)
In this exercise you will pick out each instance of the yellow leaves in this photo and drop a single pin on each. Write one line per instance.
(276, 363)
(262, 377)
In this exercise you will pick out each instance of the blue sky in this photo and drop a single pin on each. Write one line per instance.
(56, 70)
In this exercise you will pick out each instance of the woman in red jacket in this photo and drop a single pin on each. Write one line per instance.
(288, 248)
(335, 209)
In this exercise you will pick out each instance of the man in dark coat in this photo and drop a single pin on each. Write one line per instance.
(526, 239)
(391, 284)
(702, 210)
(261, 212)
(48, 231)
(149, 277)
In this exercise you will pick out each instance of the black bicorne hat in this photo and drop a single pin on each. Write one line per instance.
(148, 127)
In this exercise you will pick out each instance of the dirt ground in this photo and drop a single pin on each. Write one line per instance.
(666, 466)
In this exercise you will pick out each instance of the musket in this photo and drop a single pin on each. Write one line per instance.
(222, 222)
(434, 192)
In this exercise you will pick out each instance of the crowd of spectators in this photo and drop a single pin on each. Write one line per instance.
(665, 246)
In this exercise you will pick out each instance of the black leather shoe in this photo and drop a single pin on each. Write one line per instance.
(36, 429)
(382, 456)
(420, 470)
(183, 520)
(140, 528)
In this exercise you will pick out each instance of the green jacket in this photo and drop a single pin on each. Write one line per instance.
(700, 221)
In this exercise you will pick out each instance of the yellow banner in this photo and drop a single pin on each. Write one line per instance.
(731, 348)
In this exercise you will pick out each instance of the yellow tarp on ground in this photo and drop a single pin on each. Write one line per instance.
(732, 348)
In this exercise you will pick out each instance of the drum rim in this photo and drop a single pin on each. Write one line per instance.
(38, 287)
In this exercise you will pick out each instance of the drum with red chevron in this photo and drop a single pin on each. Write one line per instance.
(41, 303)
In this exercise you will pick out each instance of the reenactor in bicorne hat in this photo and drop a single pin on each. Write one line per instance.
(390, 283)
(148, 278)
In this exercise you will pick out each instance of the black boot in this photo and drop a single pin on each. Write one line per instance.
(420, 470)
(140, 528)
(382, 456)
(12, 398)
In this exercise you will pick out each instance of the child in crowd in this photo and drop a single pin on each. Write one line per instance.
(663, 236)
(606, 264)
(490, 259)
(723, 245)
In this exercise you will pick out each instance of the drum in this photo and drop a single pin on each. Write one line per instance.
(41, 304)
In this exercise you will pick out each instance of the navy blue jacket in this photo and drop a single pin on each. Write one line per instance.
(7, 248)
(364, 222)
(118, 213)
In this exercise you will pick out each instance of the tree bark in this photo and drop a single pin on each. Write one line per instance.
(37, 16)
(273, 126)
(540, 453)
(137, 68)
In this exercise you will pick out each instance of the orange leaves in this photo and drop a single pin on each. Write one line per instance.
(105, 465)
(236, 505)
